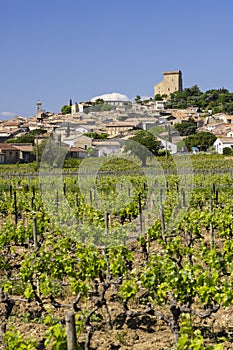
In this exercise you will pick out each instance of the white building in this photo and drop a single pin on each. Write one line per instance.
(78, 108)
(169, 146)
(223, 142)
(159, 105)
(118, 103)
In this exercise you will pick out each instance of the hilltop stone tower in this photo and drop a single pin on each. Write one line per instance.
(172, 81)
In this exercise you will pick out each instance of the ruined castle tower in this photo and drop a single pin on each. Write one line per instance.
(172, 81)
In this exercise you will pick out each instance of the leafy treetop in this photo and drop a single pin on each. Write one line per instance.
(217, 100)
(28, 137)
(66, 109)
(95, 135)
(185, 128)
(202, 140)
(142, 145)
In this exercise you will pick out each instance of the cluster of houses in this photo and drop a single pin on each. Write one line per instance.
(74, 130)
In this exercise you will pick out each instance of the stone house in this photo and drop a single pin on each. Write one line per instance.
(121, 128)
(11, 125)
(9, 154)
(25, 152)
(106, 147)
(81, 141)
(165, 119)
(76, 152)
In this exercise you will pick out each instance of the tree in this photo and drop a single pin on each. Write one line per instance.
(38, 149)
(98, 101)
(66, 109)
(186, 128)
(219, 100)
(51, 152)
(28, 137)
(36, 132)
(95, 135)
(227, 151)
(202, 140)
(195, 91)
(137, 99)
(100, 106)
(158, 97)
(157, 130)
(142, 145)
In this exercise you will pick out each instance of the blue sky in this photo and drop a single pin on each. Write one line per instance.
(76, 49)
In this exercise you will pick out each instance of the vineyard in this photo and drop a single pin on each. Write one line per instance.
(118, 257)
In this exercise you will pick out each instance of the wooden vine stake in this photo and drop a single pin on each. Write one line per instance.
(183, 198)
(140, 212)
(11, 191)
(57, 201)
(211, 228)
(90, 197)
(76, 200)
(214, 188)
(162, 222)
(15, 209)
(34, 233)
(35, 243)
(216, 197)
(106, 223)
(161, 195)
(71, 331)
(32, 202)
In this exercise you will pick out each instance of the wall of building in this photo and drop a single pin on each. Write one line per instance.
(11, 156)
(220, 144)
(172, 81)
(83, 142)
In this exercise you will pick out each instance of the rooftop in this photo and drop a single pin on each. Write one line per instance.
(172, 72)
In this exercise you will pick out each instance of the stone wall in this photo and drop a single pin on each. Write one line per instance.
(172, 81)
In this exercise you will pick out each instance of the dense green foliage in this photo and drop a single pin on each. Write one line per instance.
(95, 135)
(143, 145)
(28, 137)
(137, 99)
(37, 132)
(202, 140)
(186, 128)
(66, 109)
(100, 106)
(157, 130)
(159, 97)
(217, 100)
(227, 151)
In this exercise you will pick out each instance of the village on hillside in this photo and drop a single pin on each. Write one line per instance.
(98, 127)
